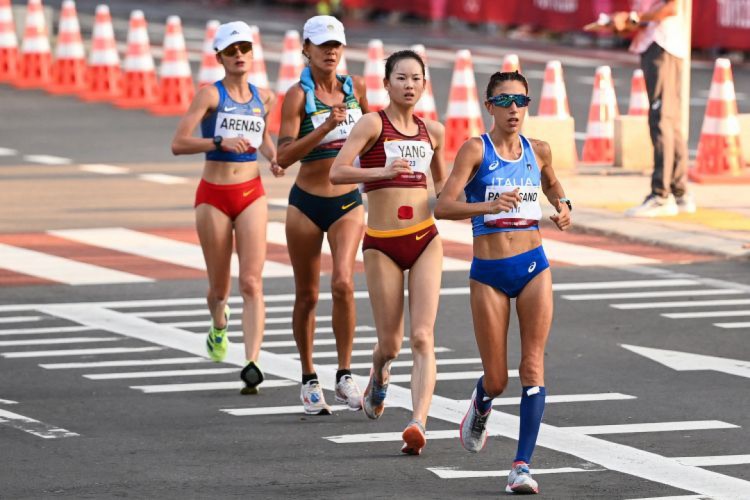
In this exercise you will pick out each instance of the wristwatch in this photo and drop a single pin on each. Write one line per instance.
(217, 141)
(634, 17)
(567, 202)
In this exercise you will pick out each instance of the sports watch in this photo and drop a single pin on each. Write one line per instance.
(217, 141)
(567, 202)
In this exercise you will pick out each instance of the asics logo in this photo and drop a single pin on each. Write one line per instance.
(348, 205)
(314, 398)
(227, 108)
(245, 194)
(420, 236)
(493, 165)
(532, 267)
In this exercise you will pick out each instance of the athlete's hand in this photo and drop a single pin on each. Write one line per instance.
(506, 202)
(276, 169)
(235, 145)
(562, 218)
(338, 115)
(399, 166)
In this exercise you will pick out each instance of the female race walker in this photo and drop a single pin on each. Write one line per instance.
(501, 173)
(230, 195)
(316, 118)
(396, 150)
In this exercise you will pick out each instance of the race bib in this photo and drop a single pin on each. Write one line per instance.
(527, 214)
(248, 126)
(417, 153)
(341, 132)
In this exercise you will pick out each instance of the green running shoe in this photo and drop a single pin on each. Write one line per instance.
(216, 342)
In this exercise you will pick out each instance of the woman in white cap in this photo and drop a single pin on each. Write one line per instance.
(230, 201)
(316, 118)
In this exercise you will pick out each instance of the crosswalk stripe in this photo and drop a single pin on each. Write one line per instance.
(77, 352)
(8, 402)
(681, 497)
(715, 461)
(409, 363)
(20, 319)
(445, 376)
(650, 295)
(69, 340)
(686, 303)
(158, 248)
(382, 437)
(453, 473)
(124, 362)
(706, 314)
(744, 324)
(292, 343)
(47, 159)
(41, 331)
(274, 410)
(318, 329)
(207, 386)
(238, 322)
(360, 352)
(200, 312)
(690, 425)
(59, 269)
(158, 374)
(565, 398)
(33, 426)
(604, 285)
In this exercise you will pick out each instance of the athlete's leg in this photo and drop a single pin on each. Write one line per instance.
(490, 311)
(424, 293)
(215, 234)
(250, 231)
(304, 240)
(344, 237)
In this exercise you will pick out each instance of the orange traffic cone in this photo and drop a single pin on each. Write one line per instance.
(554, 100)
(719, 155)
(511, 63)
(342, 69)
(638, 95)
(211, 70)
(289, 71)
(139, 85)
(35, 62)
(425, 107)
(464, 118)
(258, 74)
(103, 75)
(599, 146)
(69, 67)
(8, 43)
(377, 97)
(176, 89)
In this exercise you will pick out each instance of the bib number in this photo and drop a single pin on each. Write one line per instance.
(342, 130)
(248, 126)
(527, 214)
(417, 153)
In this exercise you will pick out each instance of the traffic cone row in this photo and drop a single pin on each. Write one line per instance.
(35, 58)
(289, 71)
(463, 118)
(176, 89)
(69, 66)
(425, 107)
(8, 43)
(599, 146)
(103, 75)
(377, 97)
(211, 70)
(139, 83)
(554, 99)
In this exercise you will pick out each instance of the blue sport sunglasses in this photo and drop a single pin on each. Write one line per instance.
(505, 100)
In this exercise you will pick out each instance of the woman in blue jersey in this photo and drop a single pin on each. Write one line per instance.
(230, 201)
(501, 174)
(316, 118)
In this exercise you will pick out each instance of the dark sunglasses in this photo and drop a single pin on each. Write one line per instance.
(505, 100)
(243, 47)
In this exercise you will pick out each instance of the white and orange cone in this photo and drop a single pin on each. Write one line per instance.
(103, 75)
(638, 105)
(211, 70)
(599, 146)
(35, 59)
(69, 66)
(258, 74)
(8, 43)
(289, 72)
(464, 117)
(377, 97)
(176, 88)
(425, 107)
(139, 84)
(511, 63)
(554, 100)
(719, 155)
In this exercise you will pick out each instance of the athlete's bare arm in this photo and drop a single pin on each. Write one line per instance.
(551, 186)
(360, 92)
(267, 147)
(437, 165)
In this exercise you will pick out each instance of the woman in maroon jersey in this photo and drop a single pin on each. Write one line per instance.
(396, 149)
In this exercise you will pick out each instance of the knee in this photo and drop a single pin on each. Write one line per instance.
(217, 294)
(251, 287)
(342, 289)
(306, 298)
(422, 340)
(494, 385)
(389, 349)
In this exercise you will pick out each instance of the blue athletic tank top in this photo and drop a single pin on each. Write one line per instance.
(235, 119)
(496, 175)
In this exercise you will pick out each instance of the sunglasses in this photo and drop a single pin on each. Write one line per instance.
(505, 100)
(243, 47)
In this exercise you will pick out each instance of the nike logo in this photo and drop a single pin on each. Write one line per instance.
(532, 267)
(420, 236)
(245, 194)
(227, 108)
(348, 205)
(493, 165)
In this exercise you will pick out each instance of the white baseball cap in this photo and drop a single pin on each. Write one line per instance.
(322, 29)
(229, 33)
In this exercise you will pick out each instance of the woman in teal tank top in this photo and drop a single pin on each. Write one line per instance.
(316, 117)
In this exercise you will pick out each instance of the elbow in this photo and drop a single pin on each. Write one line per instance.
(335, 177)
(439, 211)
(176, 149)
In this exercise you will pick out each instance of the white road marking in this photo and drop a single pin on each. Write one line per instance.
(8, 152)
(163, 178)
(359, 353)
(41, 331)
(47, 159)
(689, 425)
(445, 376)
(68, 340)
(685, 361)
(238, 322)
(744, 324)
(715, 461)
(453, 473)
(124, 362)
(77, 352)
(687, 303)
(19, 319)
(604, 285)
(318, 329)
(383, 437)
(158, 248)
(158, 374)
(683, 497)
(207, 386)
(651, 295)
(274, 410)
(200, 312)
(565, 398)
(8, 402)
(98, 168)
(60, 269)
(409, 363)
(706, 314)
(292, 343)
(33, 426)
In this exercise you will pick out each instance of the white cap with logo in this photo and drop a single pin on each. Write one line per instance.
(230, 33)
(322, 29)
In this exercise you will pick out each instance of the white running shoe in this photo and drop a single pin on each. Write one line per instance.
(685, 204)
(473, 429)
(347, 392)
(520, 480)
(313, 400)
(655, 206)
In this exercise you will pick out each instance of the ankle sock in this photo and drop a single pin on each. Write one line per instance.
(484, 402)
(306, 377)
(340, 373)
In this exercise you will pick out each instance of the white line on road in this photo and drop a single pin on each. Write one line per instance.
(162, 373)
(41, 331)
(274, 410)
(651, 295)
(359, 353)
(8, 152)
(47, 159)
(207, 386)
(163, 178)
(19, 319)
(8, 402)
(77, 352)
(318, 329)
(566, 398)
(382, 437)
(686, 303)
(200, 312)
(706, 314)
(453, 473)
(98, 168)
(292, 343)
(744, 324)
(715, 461)
(33, 426)
(124, 362)
(690, 425)
(445, 376)
(409, 363)
(604, 285)
(68, 340)
(238, 322)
